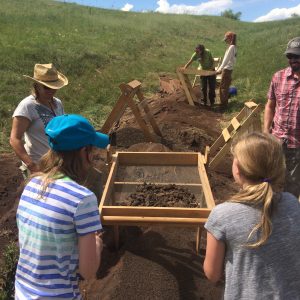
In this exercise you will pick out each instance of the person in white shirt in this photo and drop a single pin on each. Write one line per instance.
(34, 113)
(226, 67)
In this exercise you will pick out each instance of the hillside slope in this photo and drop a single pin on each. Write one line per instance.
(99, 49)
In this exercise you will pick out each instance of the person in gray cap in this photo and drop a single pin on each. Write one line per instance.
(282, 117)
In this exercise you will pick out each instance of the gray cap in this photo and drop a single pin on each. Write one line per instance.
(293, 46)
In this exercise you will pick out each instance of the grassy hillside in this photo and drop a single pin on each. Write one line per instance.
(99, 49)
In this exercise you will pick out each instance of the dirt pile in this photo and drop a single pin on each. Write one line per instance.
(170, 195)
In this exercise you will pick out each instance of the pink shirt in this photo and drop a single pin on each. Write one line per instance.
(285, 91)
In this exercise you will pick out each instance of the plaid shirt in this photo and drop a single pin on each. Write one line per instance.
(285, 90)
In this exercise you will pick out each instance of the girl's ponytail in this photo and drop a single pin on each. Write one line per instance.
(265, 224)
(261, 163)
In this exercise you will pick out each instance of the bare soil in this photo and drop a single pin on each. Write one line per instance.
(10, 188)
(169, 195)
(152, 262)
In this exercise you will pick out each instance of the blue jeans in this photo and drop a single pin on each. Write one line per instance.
(211, 82)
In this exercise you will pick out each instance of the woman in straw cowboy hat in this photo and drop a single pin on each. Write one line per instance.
(34, 113)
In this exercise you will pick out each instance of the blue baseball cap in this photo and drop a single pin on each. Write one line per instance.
(72, 132)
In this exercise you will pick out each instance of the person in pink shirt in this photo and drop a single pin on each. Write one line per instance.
(282, 114)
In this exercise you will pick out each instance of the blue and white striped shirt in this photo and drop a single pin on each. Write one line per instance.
(49, 227)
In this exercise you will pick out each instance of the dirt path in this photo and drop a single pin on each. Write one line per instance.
(152, 262)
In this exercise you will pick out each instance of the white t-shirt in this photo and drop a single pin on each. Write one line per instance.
(39, 115)
(229, 59)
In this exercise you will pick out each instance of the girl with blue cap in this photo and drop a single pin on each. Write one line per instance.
(58, 218)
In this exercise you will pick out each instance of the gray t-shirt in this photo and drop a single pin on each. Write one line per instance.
(36, 142)
(271, 271)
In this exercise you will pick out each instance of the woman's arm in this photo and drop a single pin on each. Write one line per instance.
(19, 126)
(214, 259)
(90, 248)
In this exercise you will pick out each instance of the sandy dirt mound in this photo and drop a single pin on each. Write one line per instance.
(148, 147)
(152, 262)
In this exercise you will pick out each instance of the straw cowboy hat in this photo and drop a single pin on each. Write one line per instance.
(46, 74)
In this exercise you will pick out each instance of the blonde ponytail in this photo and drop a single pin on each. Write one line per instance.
(261, 163)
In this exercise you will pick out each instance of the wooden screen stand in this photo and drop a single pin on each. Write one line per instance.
(129, 90)
(247, 120)
(149, 117)
(217, 63)
(186, 84)
(116, 191)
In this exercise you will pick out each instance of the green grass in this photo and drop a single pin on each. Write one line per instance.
(99, 49)
(8, 271)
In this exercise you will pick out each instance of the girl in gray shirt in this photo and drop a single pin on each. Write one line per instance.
(255, 235)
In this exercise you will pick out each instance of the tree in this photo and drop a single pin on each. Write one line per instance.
(294, 15)
(231, 15)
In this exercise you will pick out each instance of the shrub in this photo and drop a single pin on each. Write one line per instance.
(231, 15)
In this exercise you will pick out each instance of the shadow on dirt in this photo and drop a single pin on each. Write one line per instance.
(151, 246)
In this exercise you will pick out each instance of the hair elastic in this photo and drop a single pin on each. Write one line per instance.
(268, 180)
